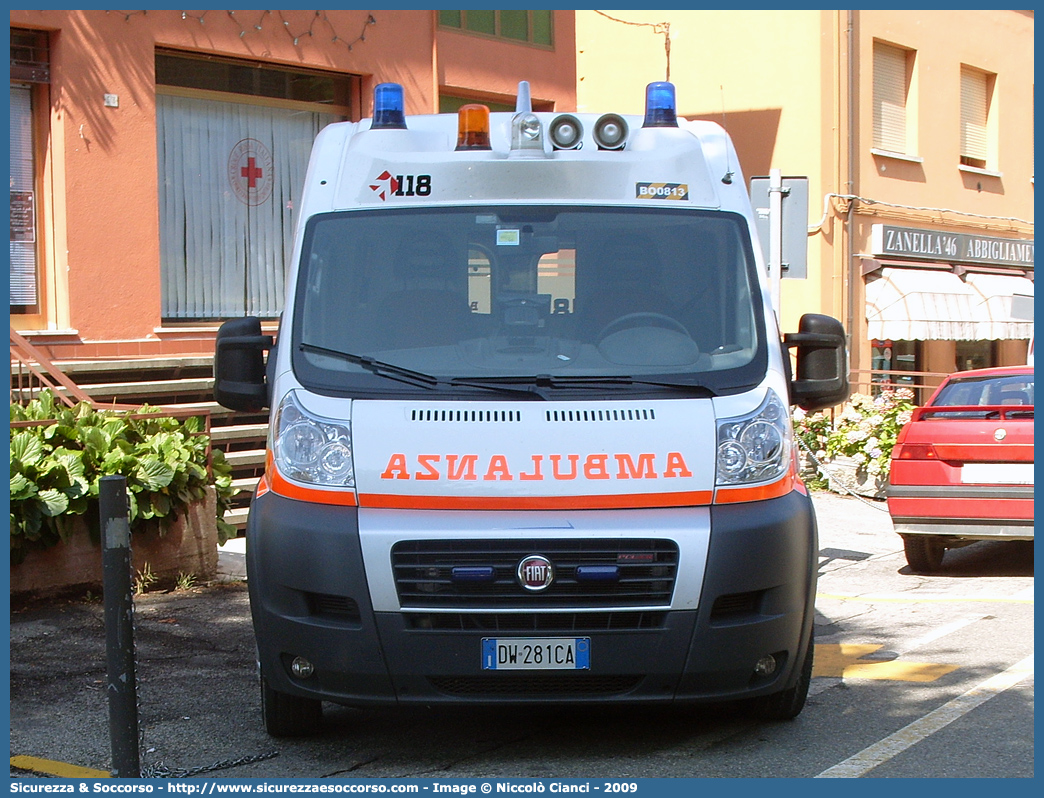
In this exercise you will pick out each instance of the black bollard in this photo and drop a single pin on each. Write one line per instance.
(119, 627)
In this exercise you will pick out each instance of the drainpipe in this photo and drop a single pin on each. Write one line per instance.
(848, 248)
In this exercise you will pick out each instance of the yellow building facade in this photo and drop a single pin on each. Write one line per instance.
(914, 130)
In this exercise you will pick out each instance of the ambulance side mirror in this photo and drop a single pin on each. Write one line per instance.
(822, 363)
(239, 365)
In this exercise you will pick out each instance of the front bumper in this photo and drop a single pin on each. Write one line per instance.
(310, 597)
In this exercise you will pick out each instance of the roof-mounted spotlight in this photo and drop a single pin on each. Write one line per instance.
(660, 105)
(610, 132)
(527, 135)
(388, 107)
(566, 132)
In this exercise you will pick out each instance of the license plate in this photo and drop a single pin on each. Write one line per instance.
(997, 473)
(536, 653)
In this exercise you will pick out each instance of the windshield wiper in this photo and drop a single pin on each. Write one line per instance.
(503, 384)
(538, 382)
(378, 367)
(597, 382)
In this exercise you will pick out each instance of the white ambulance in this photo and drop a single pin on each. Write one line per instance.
(530, 437)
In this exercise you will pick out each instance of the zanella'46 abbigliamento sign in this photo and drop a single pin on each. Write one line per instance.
(910, 242)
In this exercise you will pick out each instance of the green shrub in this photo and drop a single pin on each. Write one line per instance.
(865, 429)
(56, 469)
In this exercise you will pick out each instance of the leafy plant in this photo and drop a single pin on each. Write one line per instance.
(812, 432)
(57, 465)
(144, 579)
(185, 581)
(865, 429)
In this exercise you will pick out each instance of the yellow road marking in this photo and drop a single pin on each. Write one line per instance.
(924, 599)
(908, 736)
(60, 769)
(846, 660)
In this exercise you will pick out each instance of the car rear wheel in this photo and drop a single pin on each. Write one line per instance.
(924, 553)
(289, 715)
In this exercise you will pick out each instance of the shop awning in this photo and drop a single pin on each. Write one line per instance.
(921, 305)
(993, 308)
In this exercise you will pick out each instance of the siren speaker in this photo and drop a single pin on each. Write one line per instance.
(566, 132)
(610, 132)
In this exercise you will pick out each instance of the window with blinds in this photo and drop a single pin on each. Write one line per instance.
(233, 141)
(23, 201)
(891, 89)
(974, 117)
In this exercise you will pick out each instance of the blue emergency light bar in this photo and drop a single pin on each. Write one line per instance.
(660, 105)
(388, 107)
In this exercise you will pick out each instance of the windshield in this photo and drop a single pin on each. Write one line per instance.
(415, 299)
(1013, 389)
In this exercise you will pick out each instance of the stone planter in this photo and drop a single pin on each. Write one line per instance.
(844, 475)
(807, 468)
(188, 547)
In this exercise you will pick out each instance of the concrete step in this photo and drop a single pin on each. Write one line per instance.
(142, 365)
(213, 409)
(190, 385)
(237, 516)
(173, 363)
(238, 433)
(251, 457)
(245, 486)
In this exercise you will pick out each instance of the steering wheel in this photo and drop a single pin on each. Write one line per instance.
(643, 319)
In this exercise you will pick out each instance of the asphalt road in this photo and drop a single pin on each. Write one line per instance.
(916, 676)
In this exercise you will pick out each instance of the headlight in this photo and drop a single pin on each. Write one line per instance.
(755, 448)
(311, 449)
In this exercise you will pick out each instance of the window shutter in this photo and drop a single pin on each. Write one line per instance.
(889, 98)
(973, 115)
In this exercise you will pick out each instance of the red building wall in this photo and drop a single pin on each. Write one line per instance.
(98, 209)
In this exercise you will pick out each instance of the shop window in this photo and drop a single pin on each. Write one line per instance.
(532, 27)
(975, 355)
(889, 359)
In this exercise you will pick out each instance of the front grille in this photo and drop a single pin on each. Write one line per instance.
(631, 573)
(545, 622)
(535, 686)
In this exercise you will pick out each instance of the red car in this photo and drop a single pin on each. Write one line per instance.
(962, 468)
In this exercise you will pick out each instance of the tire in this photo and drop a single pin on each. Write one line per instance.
(924, 553)
(289, 715)
(787, 704)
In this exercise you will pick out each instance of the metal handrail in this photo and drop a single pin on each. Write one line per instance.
(36, 372)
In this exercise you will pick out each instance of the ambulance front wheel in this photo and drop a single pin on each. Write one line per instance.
(287, 715)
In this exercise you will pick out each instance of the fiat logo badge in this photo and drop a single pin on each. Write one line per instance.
(1000, 434)
(535, 573)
